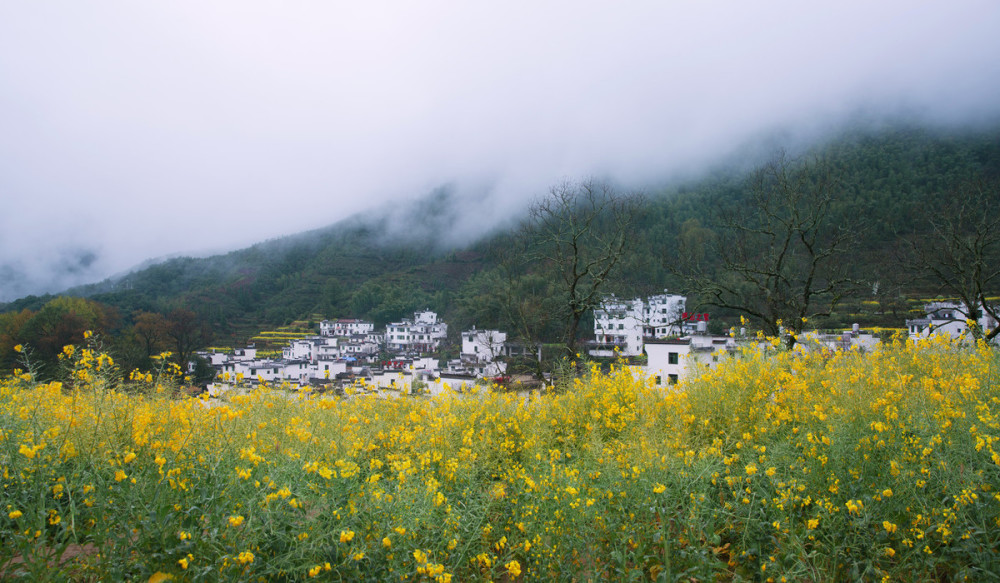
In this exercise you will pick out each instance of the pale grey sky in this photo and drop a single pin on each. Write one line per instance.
(131, 130)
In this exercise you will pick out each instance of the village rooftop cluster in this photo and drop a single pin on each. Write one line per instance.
(404, 356)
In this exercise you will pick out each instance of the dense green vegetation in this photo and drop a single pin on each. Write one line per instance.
(892, 182)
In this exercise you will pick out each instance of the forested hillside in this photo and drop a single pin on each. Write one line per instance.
(890, 183)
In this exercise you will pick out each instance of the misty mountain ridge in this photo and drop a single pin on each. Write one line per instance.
(434, 251)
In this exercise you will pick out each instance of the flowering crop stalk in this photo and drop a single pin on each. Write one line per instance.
(785, 464)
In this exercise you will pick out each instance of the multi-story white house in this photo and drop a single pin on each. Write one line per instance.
(345, 327)
(618, 324)
(663, 315)
(482, 354)
(423, 333)
(311, 348)
(360, 345)
(623, 324)
(483, 345)
(946, 318)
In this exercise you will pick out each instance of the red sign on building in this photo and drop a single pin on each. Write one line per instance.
(694, 317)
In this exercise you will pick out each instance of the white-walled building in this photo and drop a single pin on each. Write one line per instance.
(296, 371)
(214, 358)
(360, 346)
(423, 333)
(663, 315)
(311, 348)
(946, 318)
(855, 338)
(618, 324)
(326, 352)
(458, 382)
(624, 324)
(345, 327)
(484, 354)
(395, 380)
(483, 345)
(671, 360)
(329, 369)
(248, 353)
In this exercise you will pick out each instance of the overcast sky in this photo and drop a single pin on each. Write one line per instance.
(131, 130)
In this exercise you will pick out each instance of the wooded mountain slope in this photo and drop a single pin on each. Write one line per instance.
(892, 181)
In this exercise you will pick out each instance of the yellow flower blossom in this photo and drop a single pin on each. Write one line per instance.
(514, 568)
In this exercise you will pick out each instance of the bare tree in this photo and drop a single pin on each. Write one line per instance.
(579, 233)
(961, 252)
(782, 257)
(185, 334)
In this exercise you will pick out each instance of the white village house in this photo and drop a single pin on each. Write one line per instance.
(623, 325)
(669, 360)
(618, 326)
(345, 327)
(946, 318)
(482, 354)
(423, 333)
(663, 315)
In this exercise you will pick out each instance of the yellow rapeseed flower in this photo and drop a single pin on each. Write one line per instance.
(514, 568)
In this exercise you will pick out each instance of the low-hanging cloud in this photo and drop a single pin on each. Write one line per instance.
(134, 130)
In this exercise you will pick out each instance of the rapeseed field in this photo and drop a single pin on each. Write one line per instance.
(776, 466)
